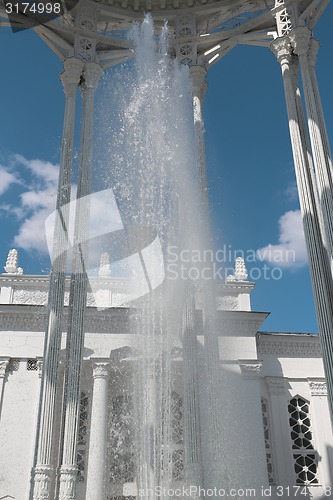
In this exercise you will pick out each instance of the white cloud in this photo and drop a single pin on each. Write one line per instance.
(6, 179)
(38, 180)
(42, 170)
(292, 192)
(290, 252)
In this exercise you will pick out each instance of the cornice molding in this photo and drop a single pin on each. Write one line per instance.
(33, 319)
(294, 348)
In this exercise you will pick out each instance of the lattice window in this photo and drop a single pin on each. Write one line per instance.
(305, 457)
(177, 436)
(82, 436)
(32, 365)
(121, 447)
(269, 458)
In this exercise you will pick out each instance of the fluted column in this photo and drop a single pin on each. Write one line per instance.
(192, 435)
(303, 45)
(320, 272)
(78, 293)
(199, 87)
(98, 428)
(42, 471)
(320, 419)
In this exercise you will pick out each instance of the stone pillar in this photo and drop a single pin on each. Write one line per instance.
(323, 437)
(78, 293)
(42, 471)
(198, 76)
(301, 41)
(3, 365)
(280, 435)
(320, 271)
(98, 429)
(192, 435)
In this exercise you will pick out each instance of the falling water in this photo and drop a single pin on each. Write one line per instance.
(147, 156)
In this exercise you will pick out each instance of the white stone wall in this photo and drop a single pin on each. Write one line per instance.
(17, 429)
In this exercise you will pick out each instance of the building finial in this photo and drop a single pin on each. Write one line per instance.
(240, 271)
(11, 263)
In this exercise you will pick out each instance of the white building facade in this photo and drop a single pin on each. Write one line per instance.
(283, 411)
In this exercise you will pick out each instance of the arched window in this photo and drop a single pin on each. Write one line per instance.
(82, 436)
(269, 457)
(304, 454)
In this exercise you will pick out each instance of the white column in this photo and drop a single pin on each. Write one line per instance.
(280, 435)
(42, 471)
(3, 365)
(78, 293)
(320, 271)
(301, 41)
(198, 76)
(98, 429)
(323, 439)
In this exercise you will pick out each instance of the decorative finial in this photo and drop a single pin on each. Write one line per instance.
(11, 263)
(240, 269)
(104, 267)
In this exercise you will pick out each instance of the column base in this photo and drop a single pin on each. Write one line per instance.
(41, 478)
(67, 482)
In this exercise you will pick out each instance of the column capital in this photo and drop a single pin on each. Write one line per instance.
(250, 368)
(198, 77)
(91, 74)
(318, 387)
(276, 385)
(300, 38)
(100, 370)
(71, 75)
(40, 367)
(281, 48)
(313, 51)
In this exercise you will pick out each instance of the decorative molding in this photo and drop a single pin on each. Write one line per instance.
(227, 303)
(250, 369)
(29, 318)
(42, 478)
(276, 385)
(100, 370)
(68, 475)
(299, 349)
(318, 387)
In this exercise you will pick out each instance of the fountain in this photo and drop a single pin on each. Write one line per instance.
(149, 158)
(153, 165)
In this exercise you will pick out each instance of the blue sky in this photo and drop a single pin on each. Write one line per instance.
(249, 163)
